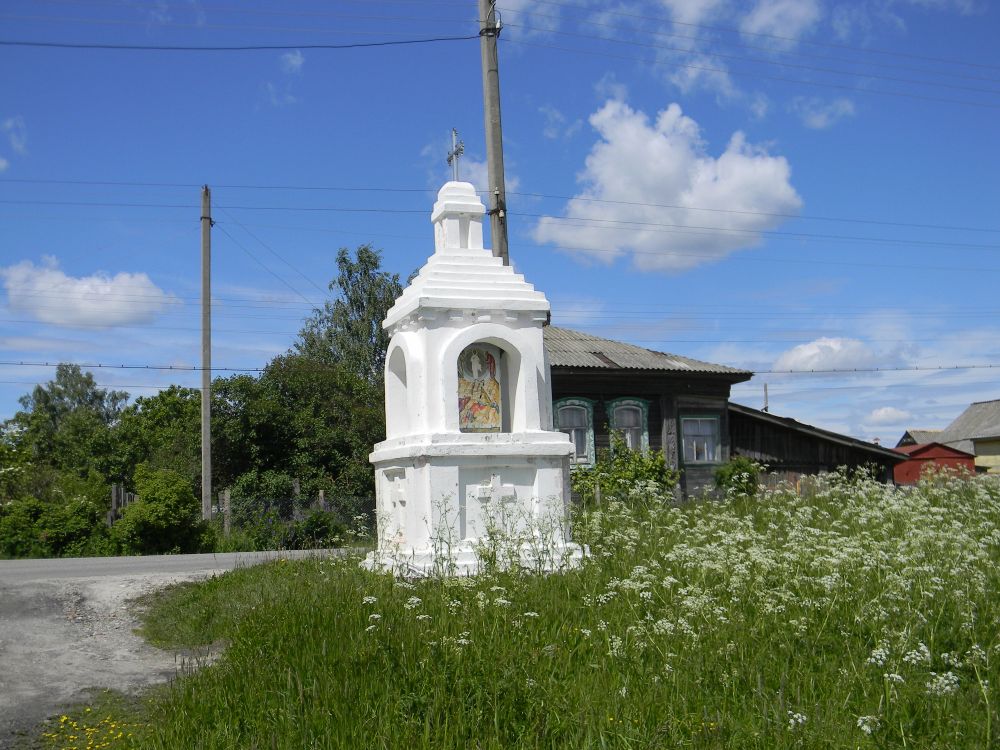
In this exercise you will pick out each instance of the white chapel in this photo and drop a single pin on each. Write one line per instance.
(470, 454)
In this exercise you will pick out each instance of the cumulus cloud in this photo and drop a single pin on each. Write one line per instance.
(708, 206)
(820, 114)
(292, 62)
(828, 354)
(887, 415)
(3, 164)
(787, 19)
(51, 296)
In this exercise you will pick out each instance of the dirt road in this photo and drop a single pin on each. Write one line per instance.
(66, 628)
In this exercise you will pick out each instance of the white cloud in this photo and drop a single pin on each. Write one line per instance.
(609, 87)
(788, 19)
(292, 62)
(828, 354)
(51, 296)
(523, 18)
(477, 172)
(819, 114)
(693, 11)
(555, 123)
(278, 97)
(887, 415)
(3, 164)
(17, 134)
(714, 205)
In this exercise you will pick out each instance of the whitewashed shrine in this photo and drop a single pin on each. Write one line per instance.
(469, 446)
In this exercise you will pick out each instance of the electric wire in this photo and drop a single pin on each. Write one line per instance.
(782, 79)
(229, 48)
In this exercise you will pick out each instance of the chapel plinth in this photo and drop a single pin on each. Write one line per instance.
(470, 454)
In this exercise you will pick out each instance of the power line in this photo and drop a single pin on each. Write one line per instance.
(800, 81)
(319, 365)
(232, 48)
(620, 224)
(260, 263)
(275, 254)
(652, 226)
(763, 61)
(526, 194)
(743, 45)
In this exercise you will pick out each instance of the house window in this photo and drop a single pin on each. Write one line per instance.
(575, 417)
(700, 436)
(629, 418)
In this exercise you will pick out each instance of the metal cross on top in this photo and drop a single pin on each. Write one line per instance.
(457, 149)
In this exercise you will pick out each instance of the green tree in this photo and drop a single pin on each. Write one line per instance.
(162, 432)
(349, 330)
(311, 421)
(164, 518)
(67, 423)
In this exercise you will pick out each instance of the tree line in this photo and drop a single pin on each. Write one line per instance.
(302, 427)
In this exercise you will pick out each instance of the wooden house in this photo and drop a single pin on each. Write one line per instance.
(920, 457)
(656, 400)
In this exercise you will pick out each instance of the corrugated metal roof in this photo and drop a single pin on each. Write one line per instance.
(569, 348)
(979, 420)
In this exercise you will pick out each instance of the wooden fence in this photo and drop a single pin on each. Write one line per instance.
(120, 500)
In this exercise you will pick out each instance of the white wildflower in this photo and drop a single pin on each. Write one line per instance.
(868, 724)
(413, 602)
(374, 617)
(423, 618)
(369, 600)
(942, 684)
(795, 720)
(531, 614)
(920, 655)
(878, 657)
(893, 678)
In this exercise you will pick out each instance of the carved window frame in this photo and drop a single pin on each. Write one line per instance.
(636, 403)
(588, 406)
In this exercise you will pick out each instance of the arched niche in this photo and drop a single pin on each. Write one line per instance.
(514, 380)
(397, 407)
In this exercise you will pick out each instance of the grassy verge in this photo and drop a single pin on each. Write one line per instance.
(858, 616)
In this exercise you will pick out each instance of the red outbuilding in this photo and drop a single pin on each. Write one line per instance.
(930, 454)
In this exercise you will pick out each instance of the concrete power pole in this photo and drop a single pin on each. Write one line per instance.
(206, 353)
(489, 30)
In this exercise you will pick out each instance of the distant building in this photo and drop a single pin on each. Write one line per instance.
(976, 430)
(918, 437)
(921, 457)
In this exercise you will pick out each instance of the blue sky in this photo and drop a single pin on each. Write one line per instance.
(771, 184)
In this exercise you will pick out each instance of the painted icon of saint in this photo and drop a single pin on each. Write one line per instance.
(479, 399)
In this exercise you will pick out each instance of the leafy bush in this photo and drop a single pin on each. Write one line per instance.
(33, 528)
(739, 477)
(164, 518)
(259, 494)
(620, 472)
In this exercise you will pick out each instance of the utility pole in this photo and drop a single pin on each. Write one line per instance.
(206, 353)
(489, 30)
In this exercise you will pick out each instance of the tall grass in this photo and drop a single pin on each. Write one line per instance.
(854, 616)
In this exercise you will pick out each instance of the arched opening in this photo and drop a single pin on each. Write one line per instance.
(397, 411)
